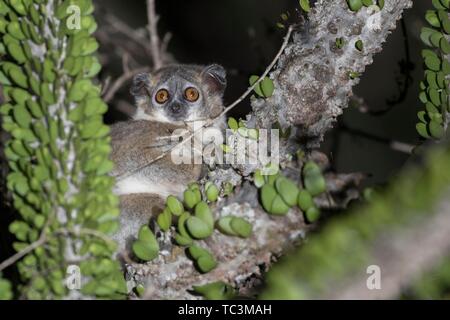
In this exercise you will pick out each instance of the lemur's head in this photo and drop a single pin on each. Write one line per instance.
(180, 93)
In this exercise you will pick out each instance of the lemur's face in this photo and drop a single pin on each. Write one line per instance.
(180, 93)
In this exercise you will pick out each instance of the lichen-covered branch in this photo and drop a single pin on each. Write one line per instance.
(315, 76)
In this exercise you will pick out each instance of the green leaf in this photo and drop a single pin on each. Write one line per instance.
(197, 228)
(445, 3)
(354, 5)
(144, 251)
(224, 226)
(5, 290)
(203, 212)
(267, 87)
(215, 291)
(304, 4)
(206, 263)
(288, 190)
(233, 124)
(432, 18)
(146, 235)
(445, 22)
(226, 148)
(268, 195)
(422, 130)
(253, 134)
(182, 240)
(164, 220)
(434, 96)
(421, 115)
(444, 45)
(196, 252)
(425, 35)
(433, 63)
(79, 90)
(212, 193)
(204, 260)
(22, 116)
(312, 214)
(190, 198)
(313, 179)
(438, 5)
(140, 290)
(436, 129)
(241, 227)
(258, 179)
(257, 89)
(181, 224)
(16, 51)
(279, 207)
(305, 200)
(175, 205)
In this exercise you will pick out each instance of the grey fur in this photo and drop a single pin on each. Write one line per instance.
(135, 143)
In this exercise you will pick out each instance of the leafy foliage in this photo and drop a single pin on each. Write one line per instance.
(59, 147)
(434, 89)
(278, 194)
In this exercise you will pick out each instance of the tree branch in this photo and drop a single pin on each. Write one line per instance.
(155, 42)
(312, 79)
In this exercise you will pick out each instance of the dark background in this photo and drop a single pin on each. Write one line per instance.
(242, 36)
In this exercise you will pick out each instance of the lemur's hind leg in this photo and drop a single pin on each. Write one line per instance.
(136, 210)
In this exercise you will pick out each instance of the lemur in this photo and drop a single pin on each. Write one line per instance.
(168, 99)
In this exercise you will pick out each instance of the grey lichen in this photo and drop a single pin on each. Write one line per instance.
(311, 79)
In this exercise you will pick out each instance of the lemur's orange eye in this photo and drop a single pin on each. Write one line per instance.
(162, 96)
(191, 94)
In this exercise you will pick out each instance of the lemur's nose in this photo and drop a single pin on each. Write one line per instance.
(176, 108)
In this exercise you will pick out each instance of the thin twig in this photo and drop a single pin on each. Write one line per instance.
(155, 42)
(165, 42)
(212, 121)
(43, 239)
(22, 253)
(395, 145)
(123, 28)
(88, 232)
(112, 90)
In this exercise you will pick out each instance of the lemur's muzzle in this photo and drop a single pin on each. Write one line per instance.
(176, 108)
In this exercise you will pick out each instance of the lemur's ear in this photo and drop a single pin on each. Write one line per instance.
(140, 85)
(215, 77)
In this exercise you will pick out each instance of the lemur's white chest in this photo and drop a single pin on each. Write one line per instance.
(140, 184)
